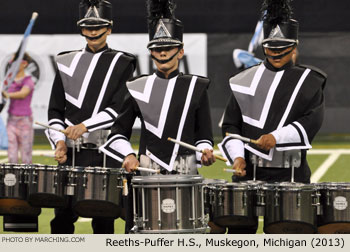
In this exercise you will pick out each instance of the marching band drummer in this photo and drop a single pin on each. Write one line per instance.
(86, 95)
(277, 102)
(169, 104)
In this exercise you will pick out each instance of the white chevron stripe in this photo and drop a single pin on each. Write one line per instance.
(181, 126)
(252, 88)
(262, 120)
(146, 94)
(158, 131)
(292, 98)
(71, 69)
(78, 102)
(105, 83)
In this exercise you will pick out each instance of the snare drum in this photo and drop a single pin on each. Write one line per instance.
(234, 205)
(335, 217)
(97, 191)
(208, 191)
(14, 190)
(46, 185)
(169, 204)
(290, 208)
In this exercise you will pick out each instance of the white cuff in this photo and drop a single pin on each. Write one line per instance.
(54, 136)
(100, 121)
(231, 149)
(292, 136)
(202, 145)
(118, 147)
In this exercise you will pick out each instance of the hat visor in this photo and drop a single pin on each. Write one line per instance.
(278, 43)
(94, 22)
(163, 43)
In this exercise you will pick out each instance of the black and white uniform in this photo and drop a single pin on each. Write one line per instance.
(89, 88)
(288, 103)
(177, 107)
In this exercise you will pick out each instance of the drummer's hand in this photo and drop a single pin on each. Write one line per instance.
(76, 131)
(61, 152)
(266, 142)
(130, 163)
(207, 157)
(239, 165)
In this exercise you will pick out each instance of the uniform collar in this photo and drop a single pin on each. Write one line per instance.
(87, 48)
(171, 75)
(269, 66)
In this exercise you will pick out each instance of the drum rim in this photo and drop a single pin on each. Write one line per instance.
(288, 186)
(160, 179)
(95, 169)
(211, 182)
(334, 185)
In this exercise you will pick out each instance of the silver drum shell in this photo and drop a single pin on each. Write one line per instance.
(335, 200)
(46, 186)
(14, 179)
(97, 191)
(290, 208)
(234, 205)
(169, 204)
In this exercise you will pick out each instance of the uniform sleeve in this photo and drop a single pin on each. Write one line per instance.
(56, 112)
(204, 132)
(118, 145)
(232, 123)
(106, 117)
(300, 133)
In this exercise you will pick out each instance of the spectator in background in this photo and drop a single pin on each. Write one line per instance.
(20, 121)
(3, 136)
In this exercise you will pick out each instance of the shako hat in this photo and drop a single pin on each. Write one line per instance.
(95, 13)
(163, 28)
(280, 30)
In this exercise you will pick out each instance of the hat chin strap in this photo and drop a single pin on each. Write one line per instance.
(94, 38)
(280, 56)
(167, 60)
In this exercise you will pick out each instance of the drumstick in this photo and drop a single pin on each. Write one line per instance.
(146, 170)
(229, 170)
(50, 127)
(191, 147)
(244, 139)
(125, 187)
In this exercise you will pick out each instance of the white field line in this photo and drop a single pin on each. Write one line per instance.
(318, 174)
(4, 160)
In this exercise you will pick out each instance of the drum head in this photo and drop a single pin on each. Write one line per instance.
(166, 179)
(289, 227)
(335, 228)
(335, 186)
(292, 186)
(234, 186)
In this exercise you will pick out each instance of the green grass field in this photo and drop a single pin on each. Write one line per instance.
(336, 173)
